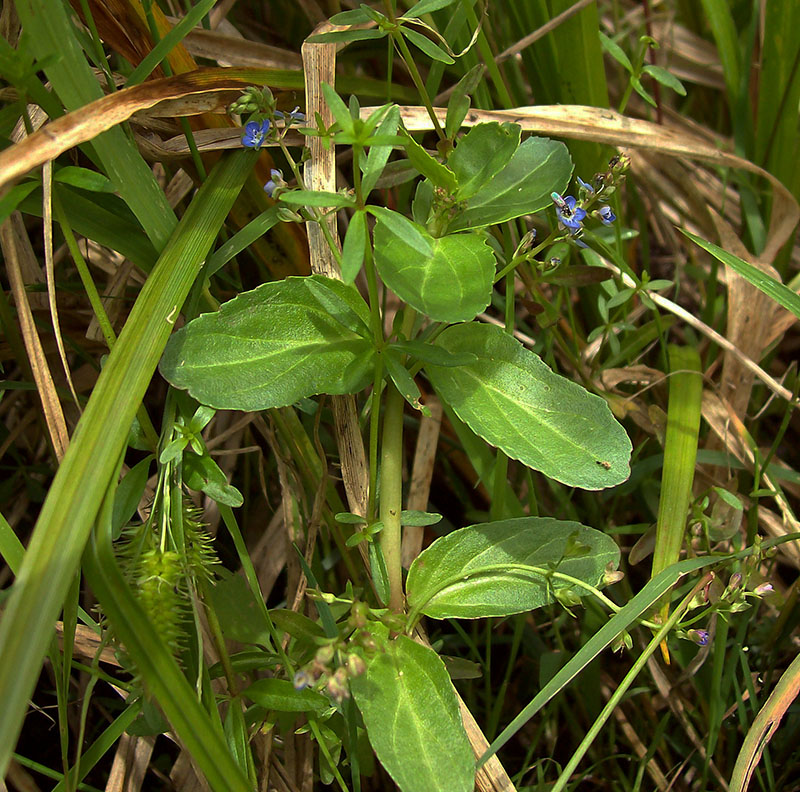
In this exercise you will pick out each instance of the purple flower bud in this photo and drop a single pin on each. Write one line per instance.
(735, 581)
(275, 182)
(763, 589)
(607, 217)
(700, 637)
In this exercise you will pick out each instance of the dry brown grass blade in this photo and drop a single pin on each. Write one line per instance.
(766, 723)
(130, 763)
(730, 430)
(86, 123)
(580, 122)
(16, 247)
(319, 61)
(47, 221)
(232, 51)
(421, 476)
(751, 315)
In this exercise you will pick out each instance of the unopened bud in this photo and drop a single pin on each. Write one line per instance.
(355, 665)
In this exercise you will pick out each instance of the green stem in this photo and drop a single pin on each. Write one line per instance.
(400, 42)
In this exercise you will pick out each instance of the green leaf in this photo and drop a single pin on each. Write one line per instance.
(432, 50)
(354, 246)
(642, 91)
(428, 353)
(255, 229)
(479, 571)
(316, 198)
(459, 102)
(84, 178)
(419, 518)
(279, 695)
(616, 52)
(426, 7)
(429, 167)
(415, 237)
(402, 379)
(782, 295)
(411, 713)
(515, 402)
(355, 17)
(12, 199)
(129, 493)
(354, 34)
(453, 283)
(539, 167)
(202, 474)
(379, 154)
(272, 346)
(337, 106)
(665, 78)
(297, 625)
(238, 612)
(481, 154)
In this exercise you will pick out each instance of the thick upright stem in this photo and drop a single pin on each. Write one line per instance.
(392, 493)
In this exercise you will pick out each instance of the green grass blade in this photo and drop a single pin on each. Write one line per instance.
(781, 294)
(169, 42)
(86, 470)
(51, 36)
(103, 744)
(12, 550)
(680, 453)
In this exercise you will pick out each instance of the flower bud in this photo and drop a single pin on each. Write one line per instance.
(355, 665)
(700, 637)
(337, 686)
(763, 589)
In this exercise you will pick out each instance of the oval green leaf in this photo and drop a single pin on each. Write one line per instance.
(452, 283)
(280, 695)
(411, 713)
(481, 154)
(515, 402)
(480, 571)
(274, 345)
(539, 166)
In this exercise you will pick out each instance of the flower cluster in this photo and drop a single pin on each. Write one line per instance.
(572, 211)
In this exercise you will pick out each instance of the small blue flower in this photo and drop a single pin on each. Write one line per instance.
(588, 187)
(568, 213)
(606, 215)
(700, 637)
(295, 115)
(275, 181)
(255, 134)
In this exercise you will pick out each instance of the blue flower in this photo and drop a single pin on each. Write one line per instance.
(295, 115)
(275, 181)
(255, 134)
(588, 187)
(568, 213)
(606, 215)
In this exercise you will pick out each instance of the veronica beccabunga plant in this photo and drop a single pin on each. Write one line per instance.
(303, 336)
